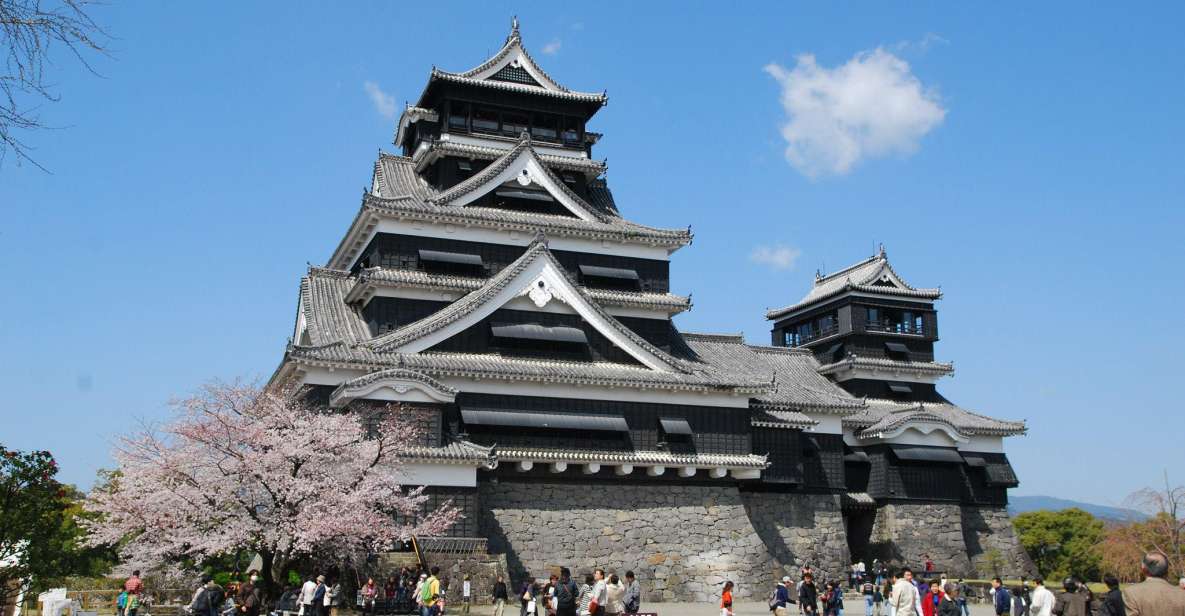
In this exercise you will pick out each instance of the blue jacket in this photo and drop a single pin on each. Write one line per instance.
(1003, 600)
(782, 597)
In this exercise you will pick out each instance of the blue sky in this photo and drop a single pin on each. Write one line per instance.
(1035, 174)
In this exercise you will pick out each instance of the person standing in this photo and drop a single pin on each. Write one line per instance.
(369, 590)
(1155, 596)
(430, 591)
(808, 595)
(931, 600)
(615, 591)
(868, 590)
(1070, 602)
(1112, 604)
(500, 597)
(306, 597)
(134, 585)
(318, 606)
(949, 606)
(781, 599)
(633, 594)
(1042, 599)
(333, 591)
(962, 597)
(249, 597)
(466, 597)
(1001, 600)
(905, 596)
(566, 594)
(600, 594)
(585, 595)
(726, 599)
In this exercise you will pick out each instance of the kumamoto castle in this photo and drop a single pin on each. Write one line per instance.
(490, 287)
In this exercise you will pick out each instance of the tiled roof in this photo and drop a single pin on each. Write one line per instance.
(457, 451)
(555, 161)
(471, 302)
(797, 382)
(498, 367)
(328, 318)
(860, 277)
(888, 366)
(577, 456)
(406, 278)
(395, 177)
(549, 86)
(882, 416)
(491, 171)
(768, 418)
(412, 114)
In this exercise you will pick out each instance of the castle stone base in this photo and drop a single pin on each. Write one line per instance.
(685, 541)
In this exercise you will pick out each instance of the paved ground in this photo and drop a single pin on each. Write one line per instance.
(757, 609)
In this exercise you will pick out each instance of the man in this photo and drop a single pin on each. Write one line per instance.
(134, 585)
(962, 597)
(567, 593)
(600, 594)
(212, 598)
(868, 590)
(1043, 599)
(1026, 594)
(1154, 596)
(249, 596)
(905, 599)
(1070, 602)
(500, 597)
(430, 591)
(808, 595)
(1112, 604)
(466, 597)
(306, 597)
(1001, 599)
(633, 594)
(781, 600)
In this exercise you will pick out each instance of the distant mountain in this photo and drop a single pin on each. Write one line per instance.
(1021, 504)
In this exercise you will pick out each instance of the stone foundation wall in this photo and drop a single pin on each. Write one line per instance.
(990, 528)
(683, 542)
(904, 533)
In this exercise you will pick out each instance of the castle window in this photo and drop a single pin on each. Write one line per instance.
(573, 129)
(485, 120)
(458, 116)
(515, 124)
(545, 127)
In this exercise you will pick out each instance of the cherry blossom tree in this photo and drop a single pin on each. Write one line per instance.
(239, 468)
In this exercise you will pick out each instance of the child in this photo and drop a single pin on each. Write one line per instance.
(121, 602)
(726, 600)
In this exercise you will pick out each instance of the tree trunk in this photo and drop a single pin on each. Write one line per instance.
(271, 590)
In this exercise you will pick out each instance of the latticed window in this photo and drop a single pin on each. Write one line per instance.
(515, 74)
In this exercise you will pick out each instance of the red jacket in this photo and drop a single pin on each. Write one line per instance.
(929, 607)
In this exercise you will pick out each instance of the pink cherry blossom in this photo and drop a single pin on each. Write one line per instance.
(239, 468)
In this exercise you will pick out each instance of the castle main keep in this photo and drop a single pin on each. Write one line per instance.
(490, 287)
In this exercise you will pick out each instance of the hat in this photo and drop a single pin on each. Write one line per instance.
(320, 578)
(423, 576)
(785, 579)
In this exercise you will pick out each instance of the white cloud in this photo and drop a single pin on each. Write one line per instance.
(552, 48)
(778, 257)
(870, 107)
(383, 103)
(923, 44)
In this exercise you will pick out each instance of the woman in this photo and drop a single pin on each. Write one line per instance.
(615, 591)
(726, 600)
(368, 594)
(950, 603)
(526, 594)
(585, 596)
(931, 600)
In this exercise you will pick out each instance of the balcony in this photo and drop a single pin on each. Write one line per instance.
(798, 338)
(895, 327)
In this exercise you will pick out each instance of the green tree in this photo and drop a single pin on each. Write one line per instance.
(32, 506)
(1062, 543)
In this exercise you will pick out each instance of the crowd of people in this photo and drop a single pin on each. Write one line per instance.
(884, 592)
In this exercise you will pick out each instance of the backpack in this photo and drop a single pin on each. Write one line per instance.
(773, 599)
(216, 598)
(565, 594)
(426, 591)
(122, 601)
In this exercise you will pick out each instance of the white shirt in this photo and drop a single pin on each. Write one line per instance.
(307, 591)
(600, 592)
(905, 599)
(1043, 601)
(465, 589)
